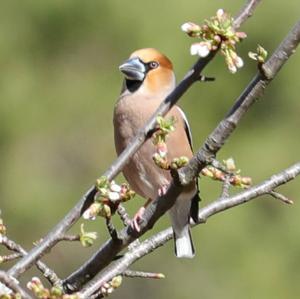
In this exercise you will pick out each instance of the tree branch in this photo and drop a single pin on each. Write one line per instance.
(47, 272)
(245, 12)
(219, 205)
(12, 284)
(141, 274)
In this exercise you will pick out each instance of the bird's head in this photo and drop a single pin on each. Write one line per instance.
(148, 69)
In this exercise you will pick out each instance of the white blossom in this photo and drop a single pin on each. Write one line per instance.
(202, 49)
(220, 13)
(88, 215)
(190, 27)
(113, 195)
(239, 62)
(232, 68)
(115, 187)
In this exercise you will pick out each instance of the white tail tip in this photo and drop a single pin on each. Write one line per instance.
(184, 246)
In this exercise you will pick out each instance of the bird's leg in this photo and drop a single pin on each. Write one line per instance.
(163, 190)
(135, 223)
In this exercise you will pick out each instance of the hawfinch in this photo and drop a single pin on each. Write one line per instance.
(149, 79)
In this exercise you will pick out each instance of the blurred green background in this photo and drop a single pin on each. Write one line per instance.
(59, 80)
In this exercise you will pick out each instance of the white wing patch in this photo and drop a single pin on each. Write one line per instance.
(187, 126)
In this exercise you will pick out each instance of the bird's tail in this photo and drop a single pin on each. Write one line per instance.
(184, 247)
(180, 215)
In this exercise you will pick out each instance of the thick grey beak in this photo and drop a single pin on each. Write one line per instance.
(133, 69)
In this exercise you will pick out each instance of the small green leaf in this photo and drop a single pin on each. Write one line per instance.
(87, 238)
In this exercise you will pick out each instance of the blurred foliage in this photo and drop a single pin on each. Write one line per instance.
(59, 80)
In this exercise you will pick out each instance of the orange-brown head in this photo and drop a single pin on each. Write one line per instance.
(148, 69)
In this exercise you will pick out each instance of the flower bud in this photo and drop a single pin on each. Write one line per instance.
(190, 27)
(239, 62)
(2, 229)
(202, 49)
(102, 182)
(230, 164)
(116, 281)
(56, 291)
(113, 196)
(162, 149)
(92, 211)
(241, 35)
(220, 13)
(115, 187)
(207, 172)
(105, 211)
(246, 181)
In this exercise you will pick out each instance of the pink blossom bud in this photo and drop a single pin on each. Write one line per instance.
(35, 280)
(220, 13)
(190, 27)
(217, 38)
(91, 212)
(232, 68)
(162, 149)
(239, 62)
(87, 215)
(241, 35)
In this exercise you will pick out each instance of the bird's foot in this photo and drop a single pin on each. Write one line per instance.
(137, 218)
(163, 190)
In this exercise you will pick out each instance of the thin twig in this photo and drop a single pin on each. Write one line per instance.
(218, 165)
(245, 12)
(123, 215)
(111, 229)
(225, 187)
(9, 257)
(141, 274)
(12, 284)
(49, 274)
(281, 197)
(70, 238)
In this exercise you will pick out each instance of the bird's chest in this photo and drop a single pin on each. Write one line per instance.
(129, 117)
(140, 171)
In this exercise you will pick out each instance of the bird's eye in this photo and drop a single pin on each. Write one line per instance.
(153, 64)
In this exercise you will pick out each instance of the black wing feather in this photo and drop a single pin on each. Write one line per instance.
(196, 198)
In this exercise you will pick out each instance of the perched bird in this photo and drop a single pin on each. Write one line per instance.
(149, 78)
